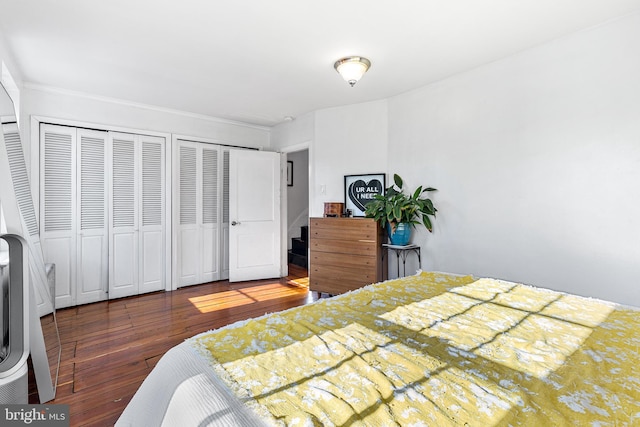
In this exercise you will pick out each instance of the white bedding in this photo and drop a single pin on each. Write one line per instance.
(183, 391)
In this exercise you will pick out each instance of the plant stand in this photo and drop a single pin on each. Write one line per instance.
(402, 252)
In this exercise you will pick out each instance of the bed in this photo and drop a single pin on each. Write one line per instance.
(431, 349)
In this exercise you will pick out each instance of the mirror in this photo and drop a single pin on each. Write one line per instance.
(45, 339)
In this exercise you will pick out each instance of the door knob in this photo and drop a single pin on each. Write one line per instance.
(235, 223)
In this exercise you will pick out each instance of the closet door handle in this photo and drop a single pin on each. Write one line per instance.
(235, 222)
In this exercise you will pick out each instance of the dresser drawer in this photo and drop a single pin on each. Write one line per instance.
(335, 288)
(339, 279)
(326, 259)
(343, 229)
(346, 247)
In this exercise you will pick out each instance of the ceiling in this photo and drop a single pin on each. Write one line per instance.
(259, 61)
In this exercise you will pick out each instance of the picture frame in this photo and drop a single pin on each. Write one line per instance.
(360, 189)
(289, 173)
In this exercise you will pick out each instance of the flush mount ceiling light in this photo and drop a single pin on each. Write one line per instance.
(352, 68)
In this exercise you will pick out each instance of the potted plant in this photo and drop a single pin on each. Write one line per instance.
(399, 211)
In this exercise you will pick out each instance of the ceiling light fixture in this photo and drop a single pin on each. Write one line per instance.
(352, 68)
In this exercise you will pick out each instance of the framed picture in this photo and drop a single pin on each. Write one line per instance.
(289, 173)
(360, 189)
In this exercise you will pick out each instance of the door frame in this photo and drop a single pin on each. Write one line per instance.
(306, 145)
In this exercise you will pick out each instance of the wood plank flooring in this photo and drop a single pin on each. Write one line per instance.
(108, 348)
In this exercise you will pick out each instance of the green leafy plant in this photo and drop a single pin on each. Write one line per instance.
(396, 206)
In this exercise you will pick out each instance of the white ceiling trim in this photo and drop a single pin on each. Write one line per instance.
(126, 103)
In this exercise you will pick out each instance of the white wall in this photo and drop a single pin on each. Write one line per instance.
(75, 107)
(6, 58)
(536, 158)
(348, 140)
(537, 162)
(290, 133)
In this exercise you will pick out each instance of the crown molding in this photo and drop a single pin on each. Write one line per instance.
(123, 102)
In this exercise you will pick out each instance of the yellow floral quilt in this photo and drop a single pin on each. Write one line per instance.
(437, 350)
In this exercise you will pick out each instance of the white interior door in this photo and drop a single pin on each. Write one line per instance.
(254, 212)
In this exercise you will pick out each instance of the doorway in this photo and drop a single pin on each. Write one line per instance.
(298, 208)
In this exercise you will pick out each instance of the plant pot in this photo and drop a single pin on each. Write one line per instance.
(401, 235)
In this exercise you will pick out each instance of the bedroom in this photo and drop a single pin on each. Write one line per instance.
(535, 155)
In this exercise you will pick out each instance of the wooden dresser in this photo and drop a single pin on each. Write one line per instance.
(346, 254)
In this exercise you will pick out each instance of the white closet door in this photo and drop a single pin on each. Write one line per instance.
(57, 207)
(210, 228)
(137, 212)
(103, 212)
(92, 241)
(152, 220)
(123, 211)
(188, 238)
(197, 198)
(224, 246)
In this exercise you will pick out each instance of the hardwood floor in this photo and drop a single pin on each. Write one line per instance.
(108, 348)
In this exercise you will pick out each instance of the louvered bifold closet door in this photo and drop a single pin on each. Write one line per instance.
(198, 213)
(224, 244)
(152, 221)
(188, 233)
(123, 213)
(58, 206)
(209, 229)
(92, 241)
(137, 212)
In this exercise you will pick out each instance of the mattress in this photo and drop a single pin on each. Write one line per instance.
(430, 349)
(182, 390)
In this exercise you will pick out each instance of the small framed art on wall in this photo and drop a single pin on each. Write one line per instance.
(289, 173)
(359, 190)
